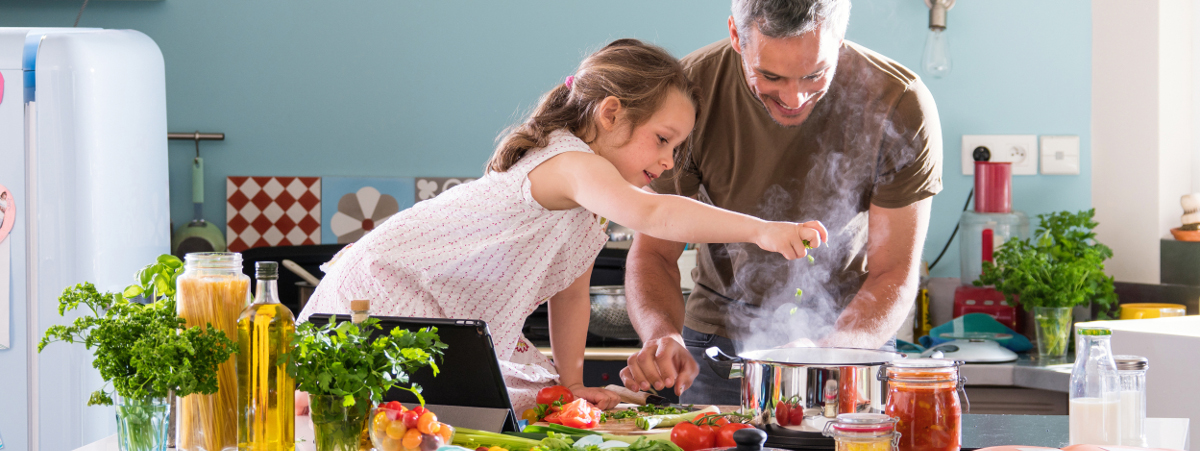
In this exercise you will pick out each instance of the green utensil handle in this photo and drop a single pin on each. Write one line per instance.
(198, 181)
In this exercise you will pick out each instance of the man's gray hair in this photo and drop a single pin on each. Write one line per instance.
(789, 18)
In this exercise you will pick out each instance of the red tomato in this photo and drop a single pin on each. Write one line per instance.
(554, 393)
(410, 419)
(796, 415)
(691, 437)
(554, 418)
(725, 434)
(580, 414)
(782, 413)
(420, 410)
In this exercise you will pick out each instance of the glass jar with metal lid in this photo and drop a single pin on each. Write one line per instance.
(1131, 369)
(863, 432)
(923, 396)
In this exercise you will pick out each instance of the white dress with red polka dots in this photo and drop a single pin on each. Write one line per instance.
(482, 250)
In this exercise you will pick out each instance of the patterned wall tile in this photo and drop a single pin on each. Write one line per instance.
(428, 187)
(272, 211)
(356, 205)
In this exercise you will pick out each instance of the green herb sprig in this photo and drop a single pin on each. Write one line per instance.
(144, 350)
(341, 359)
(1061, 266)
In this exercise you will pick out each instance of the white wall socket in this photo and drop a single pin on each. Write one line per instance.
(1020, 150)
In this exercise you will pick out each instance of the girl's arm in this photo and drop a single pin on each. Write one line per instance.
(569, 313)
(573, 179)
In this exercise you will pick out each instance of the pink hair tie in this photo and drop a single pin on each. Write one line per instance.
(570, 80)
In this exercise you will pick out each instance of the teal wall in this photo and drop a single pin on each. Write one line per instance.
(408, 88)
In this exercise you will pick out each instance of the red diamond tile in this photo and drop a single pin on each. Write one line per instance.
(261, 243)
(237, 245)
(237, 224)
(285, 225)
(238, 200)
(309, 225)
(261, 200)
(238, 181)
(262, 181)
(285, 200)
(309, 181)
(261, 224)
(308, 241)
(309, 201)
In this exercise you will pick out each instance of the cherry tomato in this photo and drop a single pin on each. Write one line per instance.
(420, 410)
(410, 419)
(554, 393)
(553, 418)
(481, 448)
(782, 412)
(725, 434)
(396, 429)
(796, 415)
(412, 439)
(426, 423)
(691, 437)
(580, 414)
(446, 432)
(530, 415)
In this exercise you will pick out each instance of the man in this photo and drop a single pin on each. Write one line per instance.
(796, 124)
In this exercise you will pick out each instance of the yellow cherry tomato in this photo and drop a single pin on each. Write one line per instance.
(396, 429)
(496, 448)
(379, 423)
(412, 439)
(425, 423)
(529, 415)
(446, 432)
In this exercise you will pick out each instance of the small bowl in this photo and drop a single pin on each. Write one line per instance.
(1185, 235)
(1147, 310)
(377, 430)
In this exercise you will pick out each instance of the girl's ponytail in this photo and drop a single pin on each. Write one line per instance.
(638, 74)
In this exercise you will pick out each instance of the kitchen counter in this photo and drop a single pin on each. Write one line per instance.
(1026, 372)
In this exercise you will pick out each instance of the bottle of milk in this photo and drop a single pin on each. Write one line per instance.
(1095, 390)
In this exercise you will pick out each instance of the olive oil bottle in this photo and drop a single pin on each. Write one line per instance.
(266, 416)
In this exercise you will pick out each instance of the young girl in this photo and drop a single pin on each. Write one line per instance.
(529, 230)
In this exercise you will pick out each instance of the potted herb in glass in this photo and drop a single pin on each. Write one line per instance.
(346, 372)
(143, 350)
(1060, 267)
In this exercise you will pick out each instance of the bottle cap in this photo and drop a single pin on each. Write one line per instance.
(266, 270)
(359, 305)
(1131, 362)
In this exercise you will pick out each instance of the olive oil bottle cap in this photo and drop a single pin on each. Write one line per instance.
(266, 270)
(359, 305)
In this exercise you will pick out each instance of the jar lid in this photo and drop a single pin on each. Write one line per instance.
(922, 363)
(1131, 362)
(1094, 331)
(863, 422)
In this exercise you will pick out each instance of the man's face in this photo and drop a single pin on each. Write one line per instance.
(789, 75)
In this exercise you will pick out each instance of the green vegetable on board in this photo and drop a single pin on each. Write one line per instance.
(654, 421)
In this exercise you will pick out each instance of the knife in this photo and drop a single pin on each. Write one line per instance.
(640, 398)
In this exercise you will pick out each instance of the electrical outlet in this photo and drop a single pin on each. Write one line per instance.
(1020, 150)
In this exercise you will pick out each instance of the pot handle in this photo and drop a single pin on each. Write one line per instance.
(725, 365)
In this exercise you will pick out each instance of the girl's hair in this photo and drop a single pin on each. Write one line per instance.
(639, 74)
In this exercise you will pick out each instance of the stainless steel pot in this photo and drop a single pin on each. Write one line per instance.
(810, 386)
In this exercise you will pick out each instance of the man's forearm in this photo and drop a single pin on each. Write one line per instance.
(875, 313)
(653, 297)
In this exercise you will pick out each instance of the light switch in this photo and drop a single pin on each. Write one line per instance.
(1060, 155)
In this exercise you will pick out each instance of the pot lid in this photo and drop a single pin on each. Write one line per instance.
(821, 356)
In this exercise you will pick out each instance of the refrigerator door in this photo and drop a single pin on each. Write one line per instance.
(94, 204)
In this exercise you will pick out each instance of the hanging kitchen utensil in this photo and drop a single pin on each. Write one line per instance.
(198, 235)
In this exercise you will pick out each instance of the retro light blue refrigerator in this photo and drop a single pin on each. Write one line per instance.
(83, 158)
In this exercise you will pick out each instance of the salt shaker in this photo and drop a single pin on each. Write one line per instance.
(1132, 371)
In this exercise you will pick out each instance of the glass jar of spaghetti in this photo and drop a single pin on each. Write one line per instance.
(212, 290)
(863, 432)
(922, 395)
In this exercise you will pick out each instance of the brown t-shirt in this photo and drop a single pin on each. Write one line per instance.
(873, 139)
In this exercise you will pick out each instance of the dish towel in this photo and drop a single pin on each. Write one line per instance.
(976, 322)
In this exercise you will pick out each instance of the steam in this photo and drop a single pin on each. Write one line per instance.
(837, 190)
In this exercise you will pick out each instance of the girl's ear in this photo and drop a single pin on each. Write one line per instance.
(608, 112)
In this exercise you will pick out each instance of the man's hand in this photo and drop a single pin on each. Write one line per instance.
(662, 362)
(601, 398)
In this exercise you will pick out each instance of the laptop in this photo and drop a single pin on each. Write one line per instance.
(469, 389)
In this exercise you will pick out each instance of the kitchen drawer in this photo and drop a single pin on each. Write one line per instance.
(998, 400)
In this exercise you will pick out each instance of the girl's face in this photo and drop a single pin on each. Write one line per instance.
(643, 154)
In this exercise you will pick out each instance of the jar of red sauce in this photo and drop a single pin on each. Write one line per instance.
(922, 395)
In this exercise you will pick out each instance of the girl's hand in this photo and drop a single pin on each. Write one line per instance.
(601, 398)
(789, 238)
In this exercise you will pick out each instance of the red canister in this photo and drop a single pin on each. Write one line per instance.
(993, 187)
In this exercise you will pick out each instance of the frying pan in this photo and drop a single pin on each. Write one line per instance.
(198, 235)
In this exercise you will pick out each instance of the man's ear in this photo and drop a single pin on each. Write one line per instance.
(609, 112)
(733, 36)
